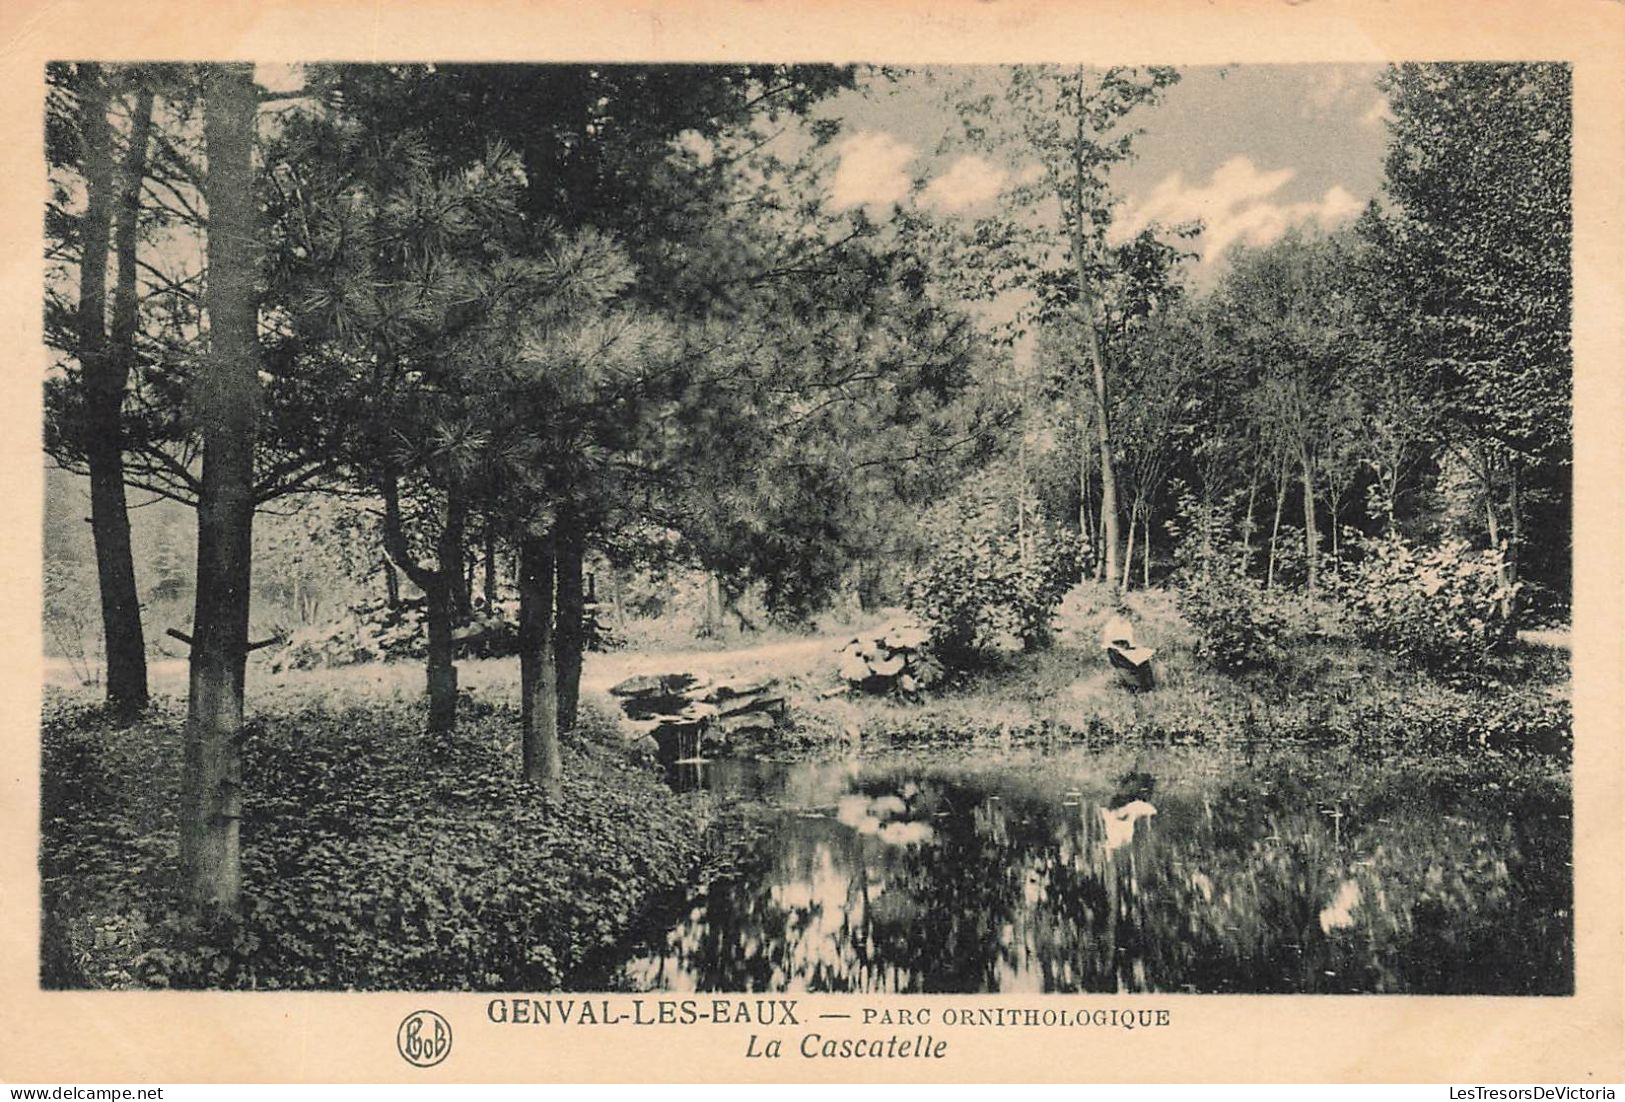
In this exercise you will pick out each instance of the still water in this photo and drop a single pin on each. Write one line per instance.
(1166, 870)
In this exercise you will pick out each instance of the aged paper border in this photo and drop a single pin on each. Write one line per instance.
(68, 1037)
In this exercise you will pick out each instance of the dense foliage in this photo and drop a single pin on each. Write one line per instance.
(1443, 607)
(987, 578)
(370, 863)
(542, 322)
(1241, 626)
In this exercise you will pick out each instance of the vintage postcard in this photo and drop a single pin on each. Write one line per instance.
(913, 541)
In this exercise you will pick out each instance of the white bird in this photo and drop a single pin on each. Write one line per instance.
(1119, 822)
(1340, 914)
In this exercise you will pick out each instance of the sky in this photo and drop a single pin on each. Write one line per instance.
(1251, 150)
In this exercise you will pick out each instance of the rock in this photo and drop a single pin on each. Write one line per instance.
(634, 729)
(743, 688)
(678, 710)
(757, 703)
(654, 684)
(746, 721)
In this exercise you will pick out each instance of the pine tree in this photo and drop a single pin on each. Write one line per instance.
(83, 140)
(227, 399)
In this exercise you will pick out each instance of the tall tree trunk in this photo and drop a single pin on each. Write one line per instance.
(538, 685)
(441, 669)
(1100, 552)
(617, 596)
(1110, 533)
(711, 622)
(441, 612)
(1247, 524)
(438, 584)
(1311, 536)
(227, 398)
(1492, 522)
(1128, 555)
(1514, 544)
(392, 584)
(1089, 310)
(1086, 520)
(1147, 520)
(1334, 501)
(106, 369)
(1275, 529)
(451, 551)
(571, 632)
(465, 591)
(490, 566)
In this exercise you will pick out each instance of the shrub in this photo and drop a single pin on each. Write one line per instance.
(979, 584)
(378, 632)
(1241, 627)
(368, 863)
(1529, 724)
(1439, 607)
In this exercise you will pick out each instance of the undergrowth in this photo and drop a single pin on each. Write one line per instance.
(369, 862)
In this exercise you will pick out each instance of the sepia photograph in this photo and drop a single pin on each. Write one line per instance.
(805, 528)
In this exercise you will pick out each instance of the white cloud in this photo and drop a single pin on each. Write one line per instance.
(872, 172)
(1377, 113)
(1332, 91)
(1237, 204)
(969, 181)
(1329, 86)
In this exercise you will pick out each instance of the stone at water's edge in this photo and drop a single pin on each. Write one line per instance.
(677, 710)
(747, 721)
(645, 684)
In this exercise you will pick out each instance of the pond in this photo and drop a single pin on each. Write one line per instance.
(1071, 870)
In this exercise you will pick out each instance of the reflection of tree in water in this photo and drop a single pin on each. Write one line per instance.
(1282, 879)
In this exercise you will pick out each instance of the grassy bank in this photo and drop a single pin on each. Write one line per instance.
(371, 861)
(374, 860)
(1329, 691)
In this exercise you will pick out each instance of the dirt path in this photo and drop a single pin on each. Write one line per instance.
(809, 657)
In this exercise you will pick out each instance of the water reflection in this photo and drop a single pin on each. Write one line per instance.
(1091, 872)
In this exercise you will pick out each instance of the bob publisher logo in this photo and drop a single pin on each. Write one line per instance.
(424, 1038)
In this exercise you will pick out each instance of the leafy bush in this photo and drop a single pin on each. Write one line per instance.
(1479, 727)
(368, 862)
(1438, 607)
(72, 629)
(979, 583)
(1242, 627)
(375, 631)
